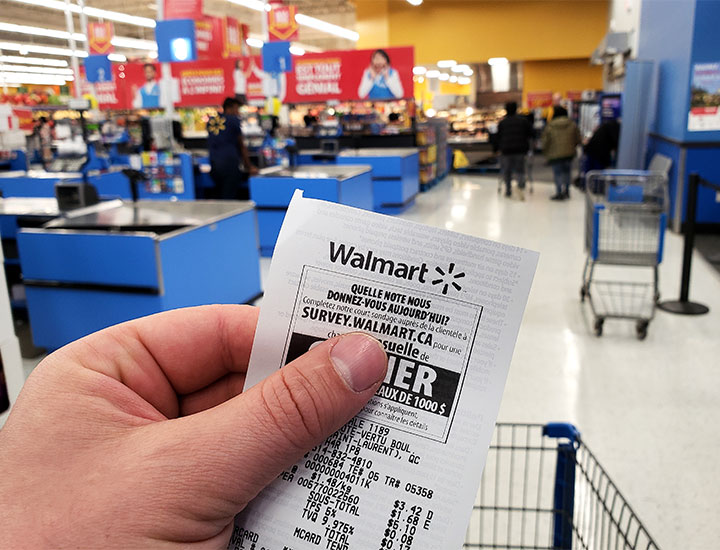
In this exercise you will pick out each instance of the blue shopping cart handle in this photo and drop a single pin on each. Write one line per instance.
(562, 430)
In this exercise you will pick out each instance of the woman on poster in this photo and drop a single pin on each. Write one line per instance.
(380, 80)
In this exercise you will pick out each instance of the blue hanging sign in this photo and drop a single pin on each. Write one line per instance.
(276, 57)
(176, 40)
(98, 68)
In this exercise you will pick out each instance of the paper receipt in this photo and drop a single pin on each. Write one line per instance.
(403, 474)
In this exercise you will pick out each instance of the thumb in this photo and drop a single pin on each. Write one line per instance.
(256, 435)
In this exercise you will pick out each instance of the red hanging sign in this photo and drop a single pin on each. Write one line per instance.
(183, 9)
(282, 26)
(100, 36)
(207, 29)
(232, 38)
(538, 100)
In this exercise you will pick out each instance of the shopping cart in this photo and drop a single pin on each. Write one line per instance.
(542, 488)
(625, 220)
(528, 174)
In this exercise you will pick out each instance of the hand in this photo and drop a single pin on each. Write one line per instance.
(136, 437)
(253, 170)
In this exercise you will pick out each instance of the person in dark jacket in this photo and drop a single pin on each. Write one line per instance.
(513, 141)
(602, 145)
(559, 142)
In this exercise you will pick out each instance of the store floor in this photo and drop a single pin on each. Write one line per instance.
(648, 409)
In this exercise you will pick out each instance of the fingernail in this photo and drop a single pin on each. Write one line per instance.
(360, 360)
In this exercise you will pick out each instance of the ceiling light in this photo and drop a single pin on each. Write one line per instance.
(297, 50)
(122, 59)
(39, 70)
(444, 76)
(421, 79)
(324, 26)
(453, 79)
(446, 63)
(254, 42)
(469, 111)
(32, 48)
(37, 31)
(415, 2)
(469, 72)
(93, 12)
(419, 70)
(40, 79)
(430, 112)
(461, 68)
(136, 43)
(153, 54)
(432, 74)
(33, 60)
(464, 81)
(257, 5)
(498, 61)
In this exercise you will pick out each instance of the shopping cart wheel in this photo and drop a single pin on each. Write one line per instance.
(599, 326)
(641, 329)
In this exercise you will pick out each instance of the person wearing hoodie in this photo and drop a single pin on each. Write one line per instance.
(513, 140)
(559, 142)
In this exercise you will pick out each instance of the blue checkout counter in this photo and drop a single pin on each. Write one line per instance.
(395, 175)
(272, 189)
(395, 172)
(110, 184)
(116, 261)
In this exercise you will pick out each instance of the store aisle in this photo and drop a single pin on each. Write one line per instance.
(647, 409)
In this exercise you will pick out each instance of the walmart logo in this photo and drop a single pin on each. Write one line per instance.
(448, 279)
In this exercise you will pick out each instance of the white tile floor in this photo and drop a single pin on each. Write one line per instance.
(649, 410)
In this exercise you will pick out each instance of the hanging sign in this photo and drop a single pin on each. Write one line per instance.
(100, 36)
(538, 100)
(232, 38)
(282, 26)
(98, 68)
(183, 9)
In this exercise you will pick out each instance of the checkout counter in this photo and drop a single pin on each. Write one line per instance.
(116, 261)
(272, 189)
(395, 175)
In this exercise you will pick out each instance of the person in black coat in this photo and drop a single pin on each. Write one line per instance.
(513, 141)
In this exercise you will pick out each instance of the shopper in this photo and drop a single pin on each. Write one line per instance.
(136, 437)
(45, 137)
(227, 151)
(602, 145)
(513, 141)
(559, 142)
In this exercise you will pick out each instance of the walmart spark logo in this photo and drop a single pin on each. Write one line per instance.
(448, 279)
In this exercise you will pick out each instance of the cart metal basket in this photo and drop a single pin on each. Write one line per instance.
(543, 489)
(625, 219)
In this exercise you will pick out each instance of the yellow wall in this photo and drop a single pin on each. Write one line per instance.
(472, 31)
(561, 76)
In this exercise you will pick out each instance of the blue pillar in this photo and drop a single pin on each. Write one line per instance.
(678, 35)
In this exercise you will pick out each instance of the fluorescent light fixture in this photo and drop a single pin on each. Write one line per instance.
(254, 43)
(38, 31)
(153, 55)
(38, 70)
(122, 59)
(430, 112)
(432, 74)
(498, 61)
(446, 63)
(93, 12)
(256, 5)
(460, 68)
(136, 43)
(419, 70)
(39, 79)
(468, 112)
(33, 60)
(415, 2)
(32, 48)
(453, 79)
(297, 50)
(444, 76)
(464, 81)
(320, 25)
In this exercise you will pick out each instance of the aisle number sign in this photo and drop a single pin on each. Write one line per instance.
(282, 26)
(100, 37)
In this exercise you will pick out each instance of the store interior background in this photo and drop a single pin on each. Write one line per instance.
(648, 409)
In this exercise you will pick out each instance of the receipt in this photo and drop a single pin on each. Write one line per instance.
(402, 474)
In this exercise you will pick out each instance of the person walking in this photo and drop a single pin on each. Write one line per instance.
(513, 141)
(559, 142)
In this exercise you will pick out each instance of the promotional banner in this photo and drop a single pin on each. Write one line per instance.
(704, 112)
(109, 94)
(538, 100)
(282, 26)
(205, 28)
(372, 75)
(232, 38)
(24, 117)
(183, 9)
(99, 38)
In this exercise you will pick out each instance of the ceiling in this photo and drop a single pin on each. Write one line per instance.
(338, 12)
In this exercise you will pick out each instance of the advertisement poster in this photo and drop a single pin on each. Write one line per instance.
(704, 112)
(282, 26)
(108, 94)
(99, 37)
(24, 117)
(205, 28)
(232, 38)
(372, 75)
(537, 100)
